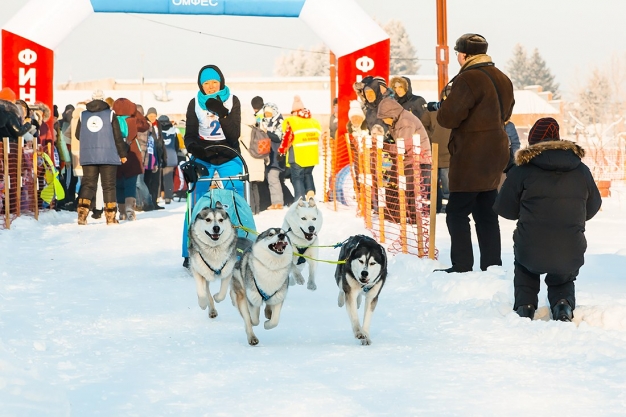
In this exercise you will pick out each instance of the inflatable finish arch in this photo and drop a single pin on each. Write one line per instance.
(28, 41)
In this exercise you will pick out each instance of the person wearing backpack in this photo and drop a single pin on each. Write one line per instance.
(170, 145)
(272, 124)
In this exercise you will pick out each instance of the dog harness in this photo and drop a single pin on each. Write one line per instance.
(301, 251)
(263, 294)
(215, 271)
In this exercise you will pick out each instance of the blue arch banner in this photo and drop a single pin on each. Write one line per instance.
(270, 8)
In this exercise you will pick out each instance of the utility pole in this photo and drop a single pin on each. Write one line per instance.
(442, 45)
(333, 79)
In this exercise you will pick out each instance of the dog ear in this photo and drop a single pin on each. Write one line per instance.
(311, 202)
(218, 205)
(300, 202)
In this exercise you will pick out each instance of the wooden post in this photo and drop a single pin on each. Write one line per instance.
(35, 185)
(7, 184)
(434, 189)
(381, 189)
(20, 150)
(352, 173)
(417, 177)
(361, 176)
(402, 194)
(333, 79)
(368, 181)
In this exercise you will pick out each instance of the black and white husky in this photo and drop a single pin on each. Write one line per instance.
(363, 274)
(262, 276)
(303, 222)
(212, 254)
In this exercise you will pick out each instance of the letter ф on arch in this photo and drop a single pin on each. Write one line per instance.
(359, 43)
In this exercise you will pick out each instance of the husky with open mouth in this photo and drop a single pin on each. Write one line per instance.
(212, 254)
(303, 222)
(262, 276)
(363, 274)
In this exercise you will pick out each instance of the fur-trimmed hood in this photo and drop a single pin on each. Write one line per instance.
(547, 155)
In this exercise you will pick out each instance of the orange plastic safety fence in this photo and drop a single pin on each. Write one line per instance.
(389, 186)
(20, 183)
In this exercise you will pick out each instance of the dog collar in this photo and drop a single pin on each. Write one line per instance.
(215, 271)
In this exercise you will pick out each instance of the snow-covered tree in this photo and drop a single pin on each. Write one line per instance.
(527, 70)
(402, 53)
(517, 67)
(541, 75)
(302, 62)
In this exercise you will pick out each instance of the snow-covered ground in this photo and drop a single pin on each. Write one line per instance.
(103, 321)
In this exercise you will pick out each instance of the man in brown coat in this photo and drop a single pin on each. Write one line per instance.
(480, 100)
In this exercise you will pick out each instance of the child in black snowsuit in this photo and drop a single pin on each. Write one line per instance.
(551, 193)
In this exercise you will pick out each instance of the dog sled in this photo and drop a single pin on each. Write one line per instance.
(205, 190)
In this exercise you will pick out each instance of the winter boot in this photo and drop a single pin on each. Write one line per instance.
(122, 210)
(130, 208)
(562, 311)
(526, 310)
(83, 210)
(109, 212)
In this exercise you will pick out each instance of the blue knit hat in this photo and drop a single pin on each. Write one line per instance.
(209, 74)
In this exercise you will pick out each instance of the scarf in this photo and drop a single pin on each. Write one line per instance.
(476, 59)
(223, 94)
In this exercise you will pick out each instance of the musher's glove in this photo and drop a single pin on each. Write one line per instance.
(216, 106)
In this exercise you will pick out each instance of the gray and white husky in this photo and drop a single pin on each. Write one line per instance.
(303, 222)
(363, 274)
(212, 254)
(262, 276)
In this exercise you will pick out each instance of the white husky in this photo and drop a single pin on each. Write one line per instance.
(212, 253)
(262, 276)
(303, 222)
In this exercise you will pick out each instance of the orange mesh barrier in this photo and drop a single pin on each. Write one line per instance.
(19, 191)
(389, 186)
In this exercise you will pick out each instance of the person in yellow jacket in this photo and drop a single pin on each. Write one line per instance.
(300, 144)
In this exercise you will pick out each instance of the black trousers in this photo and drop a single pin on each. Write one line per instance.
(153, 182)
(89, 182)
(527, 283)
(480, 206)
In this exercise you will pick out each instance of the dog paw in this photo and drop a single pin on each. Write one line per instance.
(366, 341)
(299, 280)
(268, 312)
(203, 302)
(311, 286)
(269, 325)
(360, 335)
(212, 313)
(253, 341)
(218, 298)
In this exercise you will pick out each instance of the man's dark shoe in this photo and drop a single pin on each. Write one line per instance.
(452, 269)
(157, 207)
(96, 214)
(186, 263)
(527, 310)
(562, 311)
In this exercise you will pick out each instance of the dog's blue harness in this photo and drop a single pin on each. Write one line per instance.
(262, 293)
(215, 271)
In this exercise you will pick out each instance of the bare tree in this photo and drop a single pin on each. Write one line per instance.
(302, 62)
(598, 117)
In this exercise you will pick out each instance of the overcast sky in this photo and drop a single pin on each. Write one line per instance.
(572, 36)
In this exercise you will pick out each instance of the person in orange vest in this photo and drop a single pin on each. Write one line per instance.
(300, 144)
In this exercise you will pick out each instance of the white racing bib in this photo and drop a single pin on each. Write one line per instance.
(209, 126)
